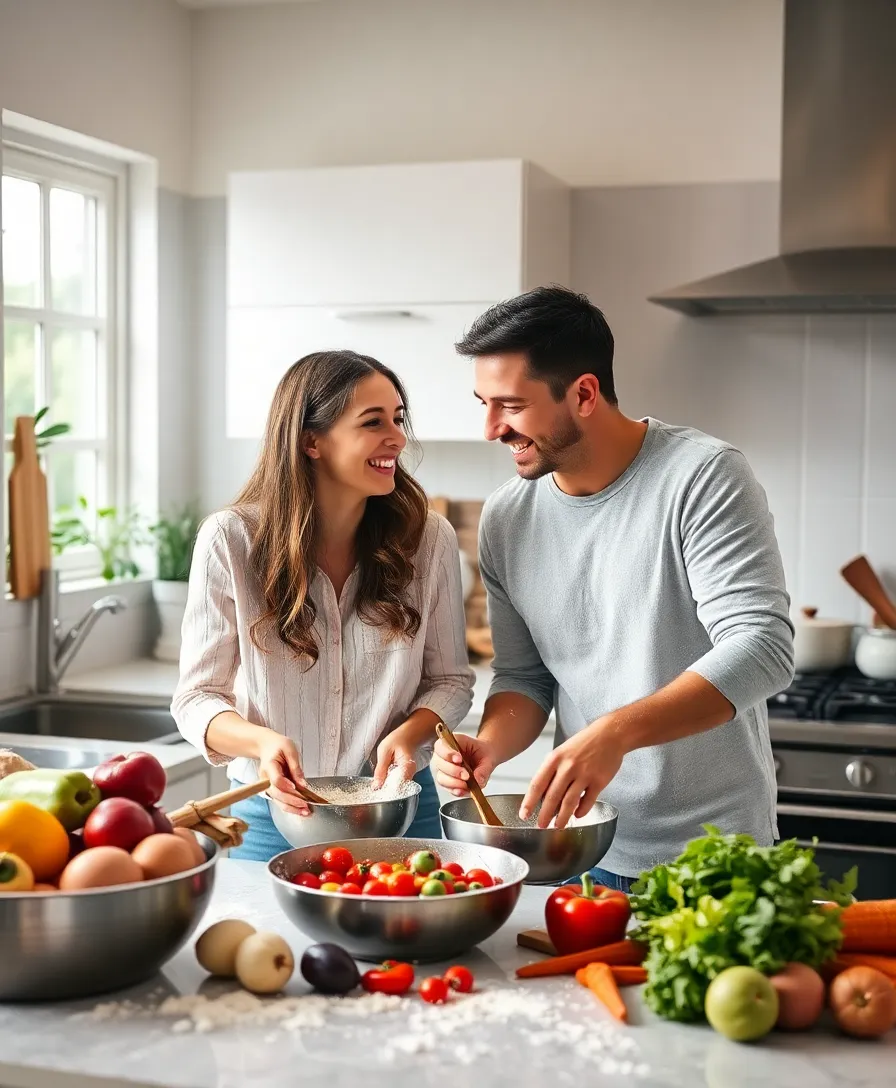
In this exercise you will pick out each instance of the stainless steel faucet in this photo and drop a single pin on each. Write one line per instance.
(56, 651)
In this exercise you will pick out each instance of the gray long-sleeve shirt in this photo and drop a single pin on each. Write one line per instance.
(597, 601)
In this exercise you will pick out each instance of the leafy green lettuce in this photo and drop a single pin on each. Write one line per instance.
(727, 901)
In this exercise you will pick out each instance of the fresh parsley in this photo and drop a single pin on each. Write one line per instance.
(727, 901)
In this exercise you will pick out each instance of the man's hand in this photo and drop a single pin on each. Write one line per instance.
(574, 775)
(449, 772)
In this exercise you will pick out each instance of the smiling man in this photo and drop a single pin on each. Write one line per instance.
(635, 587)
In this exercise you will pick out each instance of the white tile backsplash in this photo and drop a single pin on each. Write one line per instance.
(881, 435)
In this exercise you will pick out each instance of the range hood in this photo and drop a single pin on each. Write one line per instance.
(838, 173)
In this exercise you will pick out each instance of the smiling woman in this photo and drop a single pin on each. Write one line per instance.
(337, 595)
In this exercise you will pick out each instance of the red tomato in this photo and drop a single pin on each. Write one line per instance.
(390, 978)
(586, 915)
(401, 884)
(455, 869)
(376, 887)
(434, 990)
(306, 880)
(481, 876)
(359, 873)
(449, 887)
(350, 889)
(459, 978)
(379, 869)
(337, 859)
(330, 876)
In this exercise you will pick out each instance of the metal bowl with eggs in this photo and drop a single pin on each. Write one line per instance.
(56, 945)
(351, 814)
(552, 854)
(414, 929)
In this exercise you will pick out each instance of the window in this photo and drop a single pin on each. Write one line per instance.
(60, 318)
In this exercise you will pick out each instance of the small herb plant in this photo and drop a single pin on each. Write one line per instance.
(175, 536)
(115, 535)
(55, 430)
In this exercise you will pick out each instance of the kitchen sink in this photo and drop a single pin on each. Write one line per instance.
(87, 720)
(59, 757)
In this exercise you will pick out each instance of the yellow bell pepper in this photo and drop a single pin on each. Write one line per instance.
(35, 836)
(15, 874)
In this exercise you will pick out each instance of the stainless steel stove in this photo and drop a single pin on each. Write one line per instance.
(834, 740)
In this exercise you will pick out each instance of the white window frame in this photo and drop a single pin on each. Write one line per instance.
(106, 181)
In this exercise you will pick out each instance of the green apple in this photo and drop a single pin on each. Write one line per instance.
(741, 1004)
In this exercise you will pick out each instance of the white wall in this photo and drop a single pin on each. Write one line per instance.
(116, 70)
(596, 91)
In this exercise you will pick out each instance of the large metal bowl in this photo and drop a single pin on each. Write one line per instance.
(368, 820)
(419, 930)
(553, 854)
(57, 945)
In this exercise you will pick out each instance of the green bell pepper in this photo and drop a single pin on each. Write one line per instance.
(70, 796)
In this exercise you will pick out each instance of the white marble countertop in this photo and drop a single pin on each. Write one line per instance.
(557, 1035)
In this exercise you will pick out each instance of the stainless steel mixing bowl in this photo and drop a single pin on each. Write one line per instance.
(553, 855)
(57, 945)
(368, 820)
(419, 930)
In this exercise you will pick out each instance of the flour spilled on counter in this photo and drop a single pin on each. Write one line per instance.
(540, 1021)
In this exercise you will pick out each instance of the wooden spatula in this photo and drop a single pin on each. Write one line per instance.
(861, 576)
(486, 812)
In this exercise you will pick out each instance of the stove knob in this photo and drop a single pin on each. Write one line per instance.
(859, 774)
(777, 766)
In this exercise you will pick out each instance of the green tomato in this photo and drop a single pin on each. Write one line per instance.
(424, 862)
(475, 886)
(433, 887)
(460, 886)
(443, 875)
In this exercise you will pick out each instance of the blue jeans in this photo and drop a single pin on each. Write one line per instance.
(608, 879)
(263, 841)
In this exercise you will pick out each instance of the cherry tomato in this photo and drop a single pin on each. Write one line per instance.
(380, 869)
(443, 875)
(399, 867)
(359, 873)
(390, 977)
(330, 876)
(459, 978)
(434, 990)
(350, 889)
(449, 887)
(479, 876)
(402, 883)
(457, 871)
(460, 886)
(331, 886)
(337, 859)
(376, 887)
(306, 880)
(419, 881)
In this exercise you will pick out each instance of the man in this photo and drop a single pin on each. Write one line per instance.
(635, 587)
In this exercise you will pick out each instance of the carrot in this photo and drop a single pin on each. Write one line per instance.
(620, 954)
(629, 976)
(598, 978)
(885, 964)
(870, 926)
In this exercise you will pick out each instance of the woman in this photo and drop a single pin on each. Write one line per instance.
(335, 593)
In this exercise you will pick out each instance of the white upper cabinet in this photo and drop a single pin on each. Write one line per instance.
(397, 234)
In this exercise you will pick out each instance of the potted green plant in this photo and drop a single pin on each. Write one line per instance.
(175, 536)
(115, 535)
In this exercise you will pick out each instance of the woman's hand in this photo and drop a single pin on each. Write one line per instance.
(278, 761)
(398, 748)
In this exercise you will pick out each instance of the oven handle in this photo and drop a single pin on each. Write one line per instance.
(824, 813)
(848, 846)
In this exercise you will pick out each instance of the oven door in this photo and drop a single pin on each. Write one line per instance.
(848, 834)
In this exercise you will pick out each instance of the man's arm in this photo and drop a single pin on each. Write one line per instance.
(737, 581)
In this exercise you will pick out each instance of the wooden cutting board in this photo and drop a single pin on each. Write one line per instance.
(536, 939)
(29, 519)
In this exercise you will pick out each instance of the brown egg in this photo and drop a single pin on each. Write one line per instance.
(99, 867)
(163, 855)
(190, 839)
(45, 888)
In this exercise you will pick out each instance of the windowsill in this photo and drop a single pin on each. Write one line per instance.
(84, 585)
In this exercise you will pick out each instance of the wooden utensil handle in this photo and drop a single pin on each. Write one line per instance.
(195, 811)
(486, 813)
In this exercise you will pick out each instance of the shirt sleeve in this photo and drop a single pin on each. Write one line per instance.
(446, 686)
(737, 579)
(517, 663)
(209, 655)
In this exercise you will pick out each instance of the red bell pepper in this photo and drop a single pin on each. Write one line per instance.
(582, 916)
(390, 977)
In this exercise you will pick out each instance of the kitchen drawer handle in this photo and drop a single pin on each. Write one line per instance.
(819, 812)
(372, 315)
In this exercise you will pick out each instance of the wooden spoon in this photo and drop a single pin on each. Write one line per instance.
(860, 575)
(194, 812)
(486, 812)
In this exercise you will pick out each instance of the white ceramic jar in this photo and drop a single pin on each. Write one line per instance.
(820, 644)
(876, 653)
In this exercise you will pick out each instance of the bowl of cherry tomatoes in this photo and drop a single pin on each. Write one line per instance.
(418, 900)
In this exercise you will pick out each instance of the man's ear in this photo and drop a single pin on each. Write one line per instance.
(587, 393)
(309, 445)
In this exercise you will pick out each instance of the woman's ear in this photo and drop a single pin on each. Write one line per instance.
(309, 445)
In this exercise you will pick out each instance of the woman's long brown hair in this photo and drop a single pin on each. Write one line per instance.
(278, 506)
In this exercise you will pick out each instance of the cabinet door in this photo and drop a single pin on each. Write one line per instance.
(424, 232)
(417, 342)
(194, 788)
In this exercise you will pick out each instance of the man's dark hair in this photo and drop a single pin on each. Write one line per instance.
(562, 333)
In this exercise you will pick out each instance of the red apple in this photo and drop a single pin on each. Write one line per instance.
(160, 821)
(137, 775)
(118, 821)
